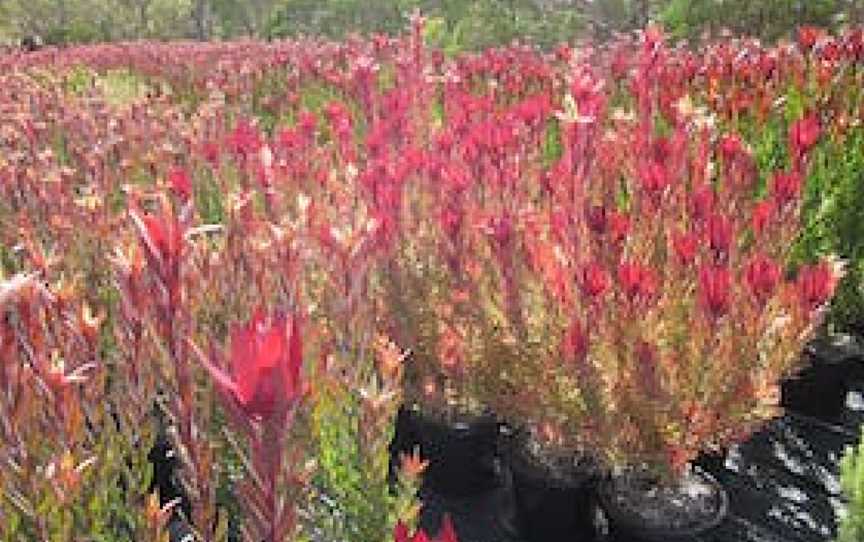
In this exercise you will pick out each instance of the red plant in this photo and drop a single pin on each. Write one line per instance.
(714, 290)
(762, 275)
(447, 534)
(261, 395)
(816, 284)
(266, 358)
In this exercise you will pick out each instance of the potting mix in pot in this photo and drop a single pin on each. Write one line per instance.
(345, 277)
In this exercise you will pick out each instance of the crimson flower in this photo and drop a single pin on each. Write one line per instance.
(164, 237)
(785, 188)
(575, 344)
(451, 221)
(702, 201)
(163, 240)
(808, 36)
(180, 183)
(720, 233)
(619, 225)
(596, 218)
(244, 140)
(210, 151)
(266, 359)
(595, 280)
(447, 534)
(685, 245)
(763, 213)
(816, 285)
(762, 275)
(730, 147)
(636, 280)
(803, 135)
(714, 290)
(654, 176)
(501, 231)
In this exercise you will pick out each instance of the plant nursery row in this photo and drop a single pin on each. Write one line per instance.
(327, 281)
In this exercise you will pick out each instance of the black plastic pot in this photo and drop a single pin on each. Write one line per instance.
(627, 525)
(462, 451)
(552, 503)
(819, 390)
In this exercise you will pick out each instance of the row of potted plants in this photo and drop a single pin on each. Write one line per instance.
(624, 310)
(580, 244)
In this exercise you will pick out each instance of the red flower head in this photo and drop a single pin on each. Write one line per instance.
(501, 230)
(654, 176)
(244, 140)
(180, 183)
(163, 240)
(447, 533)
(763, 214)
(595, 280)
(210, 151)
(266, 358)
(596, 218)
(637, 280)
(451, 219)
(702, 202)
(816, 285)
(720, 233)
(730, 147)
(307, 123)
(685, 245)
(808, 36)
(804, 134)
(574, 347)
(714, 288)
(762, 275)
(619, 225)
(785, 188)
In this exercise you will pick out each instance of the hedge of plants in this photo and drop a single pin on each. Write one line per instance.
(264, 250)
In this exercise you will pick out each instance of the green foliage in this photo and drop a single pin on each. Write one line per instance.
(458, 24)
(688, 19)
(354, 499)
(851, 528)
(834, 217)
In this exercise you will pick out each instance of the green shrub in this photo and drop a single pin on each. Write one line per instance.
(852, 480)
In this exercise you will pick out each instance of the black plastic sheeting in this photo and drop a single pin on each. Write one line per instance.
(783, 483)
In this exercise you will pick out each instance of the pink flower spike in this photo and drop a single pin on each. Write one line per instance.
(720, 233)
(180, 183)
(400, 533)
(763, 214)
(714, 289)
(595, 281)
(265, 366)
(448, 531)
(685, 245)
(804, 134)
(816, 284)
(785, 188)
(762, 275)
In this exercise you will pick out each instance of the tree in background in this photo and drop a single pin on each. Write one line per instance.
(767, 19)
(454, 24)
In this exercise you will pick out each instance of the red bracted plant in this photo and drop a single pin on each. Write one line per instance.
(261, 395)
(447, 533)
(164, 311)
